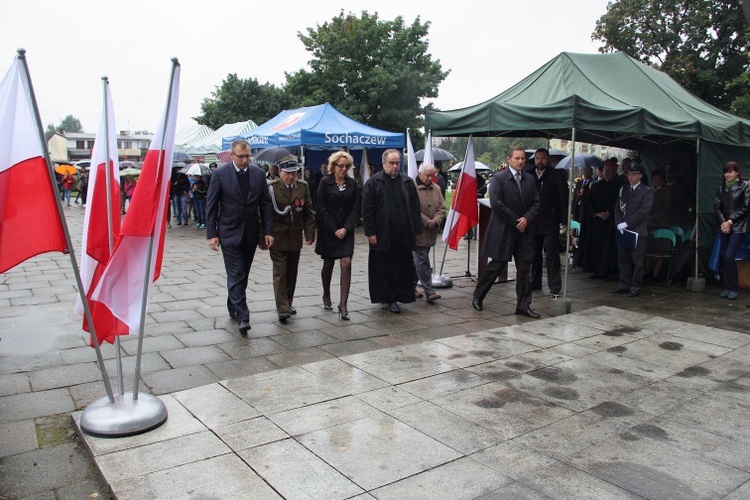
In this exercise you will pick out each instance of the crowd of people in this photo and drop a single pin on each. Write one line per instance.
(243, 208)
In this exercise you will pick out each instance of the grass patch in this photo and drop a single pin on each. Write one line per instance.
(54, 430)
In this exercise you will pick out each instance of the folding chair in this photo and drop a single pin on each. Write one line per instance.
(663, 245)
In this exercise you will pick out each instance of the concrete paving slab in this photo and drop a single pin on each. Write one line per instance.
(249, 433)
(178, 379)
(14, 383)
(323, 415)
(446, 427)
(215, 406)
(657, 470)
(513, 491)
(225, 476)
(17, 437)
(444, 383)
(373, 452)
(295, 472)
(463, 479)
(35, 404)
(161, 455)
(388, 398)
(513, 459)
(562, 482)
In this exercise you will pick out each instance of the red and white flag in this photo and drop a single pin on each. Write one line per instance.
(464, 212)
(411, 158)
(100, 228)
(122, 286)
(29, 217)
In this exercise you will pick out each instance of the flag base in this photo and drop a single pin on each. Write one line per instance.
(558, 306)
(441, 281)
(124, 417)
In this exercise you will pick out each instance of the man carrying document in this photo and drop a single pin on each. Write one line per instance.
(631, 210)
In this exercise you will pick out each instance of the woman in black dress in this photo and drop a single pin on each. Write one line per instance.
(337, 208)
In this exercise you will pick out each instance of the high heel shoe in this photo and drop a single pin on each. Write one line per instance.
(343, 315)
(327, 305)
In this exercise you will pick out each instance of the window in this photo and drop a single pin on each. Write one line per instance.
(80, 144)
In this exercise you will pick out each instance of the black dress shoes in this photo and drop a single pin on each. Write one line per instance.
(634, 293)
(284, 316)
(244, 327)
(291, 310)
(528, 312)
(393, 307)
(476, 304)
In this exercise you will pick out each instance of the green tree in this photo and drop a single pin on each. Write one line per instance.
(374, 71)
(703, 44)
(68, 124)
(239, 100)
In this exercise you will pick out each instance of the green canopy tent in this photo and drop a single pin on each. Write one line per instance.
(612, 99)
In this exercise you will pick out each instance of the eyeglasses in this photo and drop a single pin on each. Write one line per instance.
(241, 157)
(342, 165)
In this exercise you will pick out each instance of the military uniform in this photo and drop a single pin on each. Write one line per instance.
(292, 216)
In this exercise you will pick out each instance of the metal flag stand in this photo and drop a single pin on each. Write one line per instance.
(131, 413)
(71, 253)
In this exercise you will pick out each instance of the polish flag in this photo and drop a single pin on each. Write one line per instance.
(464, 212)
(29, 210)
(136, 260)
(100, 228)
(411, 157)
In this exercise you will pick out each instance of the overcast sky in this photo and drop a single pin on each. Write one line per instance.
(487, 46)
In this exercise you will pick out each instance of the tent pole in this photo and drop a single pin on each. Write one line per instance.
(697, 200)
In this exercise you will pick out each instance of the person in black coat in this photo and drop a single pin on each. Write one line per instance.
(552, 186)
(237, 204)
(515, 205)
(391, 215)
(597, 242)
(731, 206)
(337, 213)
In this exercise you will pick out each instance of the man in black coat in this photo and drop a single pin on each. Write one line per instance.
(237, 204)
(515, 205)
(631, 212)
(391, 215)
(552, 186)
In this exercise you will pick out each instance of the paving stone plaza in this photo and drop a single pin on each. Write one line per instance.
(643, 397)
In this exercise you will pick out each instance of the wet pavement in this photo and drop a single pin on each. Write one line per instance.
(624, 397)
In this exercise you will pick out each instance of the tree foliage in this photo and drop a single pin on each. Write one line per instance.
(703, 44)
(68, 124)
(238, 100)
(372, 70)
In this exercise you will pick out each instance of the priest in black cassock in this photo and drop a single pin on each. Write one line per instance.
(391, 219)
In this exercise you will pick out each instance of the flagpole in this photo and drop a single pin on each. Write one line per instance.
(71, 253)
(149, 255)
(110, 223)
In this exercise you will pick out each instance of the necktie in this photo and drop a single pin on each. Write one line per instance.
(518, 180)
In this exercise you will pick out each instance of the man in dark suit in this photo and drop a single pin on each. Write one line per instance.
(552, 187)
(515, 204)
(292, 216)
(631, 211)
(236, 206)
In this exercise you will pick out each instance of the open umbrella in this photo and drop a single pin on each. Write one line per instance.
(437, 155)
(271, 155)
(130, 172)
(127, 164)
(65, 169)
(180, 156)
(198, 169)
(581, 160)
(477, 166)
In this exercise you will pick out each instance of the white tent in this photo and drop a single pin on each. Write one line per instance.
(211, 144)
(191, 135)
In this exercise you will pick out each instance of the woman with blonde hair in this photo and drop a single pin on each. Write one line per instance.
(337, 207)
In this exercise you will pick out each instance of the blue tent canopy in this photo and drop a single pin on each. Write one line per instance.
(316, 127)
